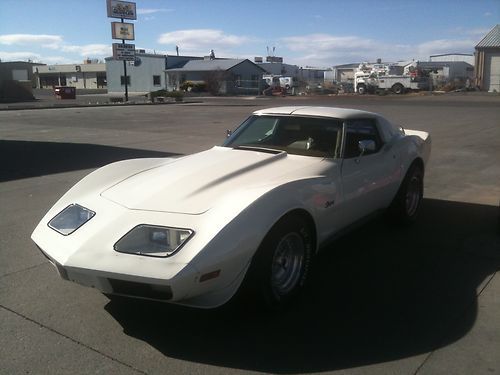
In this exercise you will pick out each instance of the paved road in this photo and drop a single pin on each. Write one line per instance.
(382, 301)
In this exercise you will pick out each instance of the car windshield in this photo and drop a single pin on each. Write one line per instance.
(309, 136)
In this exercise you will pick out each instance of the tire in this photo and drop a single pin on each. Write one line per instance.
(361, 89)
(398, 88)
(281, 265)
(406, 204)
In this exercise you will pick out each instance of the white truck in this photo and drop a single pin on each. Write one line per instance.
(374, 80)
(286, 82)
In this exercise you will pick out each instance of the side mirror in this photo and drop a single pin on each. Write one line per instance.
(366, 146)
(228, 133)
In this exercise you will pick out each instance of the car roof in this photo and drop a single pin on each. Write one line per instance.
(342, 113)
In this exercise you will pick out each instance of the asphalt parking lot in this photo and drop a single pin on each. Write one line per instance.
(383, 300)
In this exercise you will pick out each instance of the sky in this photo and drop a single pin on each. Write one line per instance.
(317, 33)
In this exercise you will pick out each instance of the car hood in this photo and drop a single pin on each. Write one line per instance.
(193, 184)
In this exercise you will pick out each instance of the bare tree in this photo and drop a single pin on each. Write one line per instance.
(215, 79)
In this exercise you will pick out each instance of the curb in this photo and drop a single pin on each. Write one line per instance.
(83, 105)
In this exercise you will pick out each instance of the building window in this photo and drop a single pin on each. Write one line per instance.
(254, 81)
(156, 80)
(237, 80)
(122, 80)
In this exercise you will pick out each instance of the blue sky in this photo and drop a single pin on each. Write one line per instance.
(306, 33)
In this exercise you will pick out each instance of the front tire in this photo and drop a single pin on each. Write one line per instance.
(281, 265)
(406, 204)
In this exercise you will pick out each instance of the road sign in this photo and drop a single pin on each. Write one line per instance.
(121, 30)
(121, 9)
(124, 52)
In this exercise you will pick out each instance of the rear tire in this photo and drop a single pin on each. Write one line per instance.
(406, 204)
(281, 265)
(398, 88)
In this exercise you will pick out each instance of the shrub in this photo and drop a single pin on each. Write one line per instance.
(193, 86)
(177, 95)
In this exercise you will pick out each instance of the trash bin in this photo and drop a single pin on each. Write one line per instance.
(65, 92)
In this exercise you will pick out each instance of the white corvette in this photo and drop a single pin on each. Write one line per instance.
(251, 213)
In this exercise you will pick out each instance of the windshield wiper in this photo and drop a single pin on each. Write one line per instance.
(257, 148)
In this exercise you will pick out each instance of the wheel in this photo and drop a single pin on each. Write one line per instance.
(398, 88)
(406, 204)
(281, 265)
(361, 89)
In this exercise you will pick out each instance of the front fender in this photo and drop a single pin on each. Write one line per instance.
(231, 250)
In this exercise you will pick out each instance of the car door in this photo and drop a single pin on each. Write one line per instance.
(367, 178)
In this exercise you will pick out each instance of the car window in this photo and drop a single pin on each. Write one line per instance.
(261, 128)
(296, 135)
(361, 130)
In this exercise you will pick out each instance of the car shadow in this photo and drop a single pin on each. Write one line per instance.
(23, 159)
(379, 294)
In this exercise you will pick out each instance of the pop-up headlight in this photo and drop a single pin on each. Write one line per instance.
(152, 240)
(70, 219)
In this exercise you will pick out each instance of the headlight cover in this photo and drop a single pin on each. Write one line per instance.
(70, 219)
(152, 240)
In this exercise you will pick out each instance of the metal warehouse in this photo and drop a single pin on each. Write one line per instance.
(488, 61)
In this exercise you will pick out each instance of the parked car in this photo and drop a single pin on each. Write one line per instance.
(250, 214)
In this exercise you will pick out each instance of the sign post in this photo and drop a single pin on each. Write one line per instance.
(123, 31)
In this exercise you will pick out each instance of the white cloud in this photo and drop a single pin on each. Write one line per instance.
(88, 50)
(487, 14)
(202, 40)
(328, 50)
(142, 11)
(10, 39)
(55, 60)
(439, 46)
(19, 56)
(326, 42)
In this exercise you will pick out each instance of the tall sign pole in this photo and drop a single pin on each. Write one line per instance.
(124, 31)
(125, 73)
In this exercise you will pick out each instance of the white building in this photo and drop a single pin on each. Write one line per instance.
(88, 75)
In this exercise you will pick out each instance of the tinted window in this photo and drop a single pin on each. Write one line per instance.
(360, 130)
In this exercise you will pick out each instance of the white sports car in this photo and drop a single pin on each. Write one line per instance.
(251, 213)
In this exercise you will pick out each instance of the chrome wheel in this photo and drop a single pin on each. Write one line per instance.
(413, 195)
(287, 263)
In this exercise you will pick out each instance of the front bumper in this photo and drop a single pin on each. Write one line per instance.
(125, 285)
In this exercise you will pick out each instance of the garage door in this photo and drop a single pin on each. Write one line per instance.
(492, 72)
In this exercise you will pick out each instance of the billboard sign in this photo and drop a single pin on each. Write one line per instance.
(124, 31)
(124, 52)
(121, 9)
(274, 59)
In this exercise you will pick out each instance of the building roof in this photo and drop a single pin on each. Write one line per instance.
(491, 40)
(346, 66)
(441, 64)
(452, 54)
(6, 63)
(210, 65)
